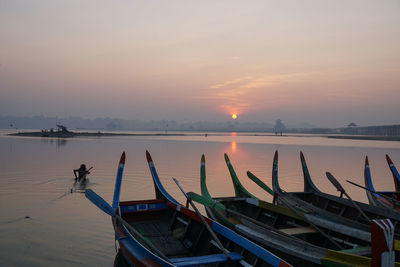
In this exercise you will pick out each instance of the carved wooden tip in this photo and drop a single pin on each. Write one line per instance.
(122, 159)
(388, 159)
(276, 155)
(302, 157)
(149, 159)
(226, 157)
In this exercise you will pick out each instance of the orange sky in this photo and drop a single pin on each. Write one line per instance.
(327, 63)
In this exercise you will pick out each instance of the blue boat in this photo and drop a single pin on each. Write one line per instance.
(384, 199)
(162, 232)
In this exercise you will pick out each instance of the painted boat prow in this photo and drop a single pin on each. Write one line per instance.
(372, 197)
(275, 183)
(203, 184)
(158, 187)
(118, 180)
(240, 191)
(395, 173)
(308, 183)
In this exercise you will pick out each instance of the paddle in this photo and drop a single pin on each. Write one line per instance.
(76, 180)
(394, 201)
(104, 206)
(342, 191)
(260, 183)
(215, 204)
(87, 171)
(211, 203)
(214, 236)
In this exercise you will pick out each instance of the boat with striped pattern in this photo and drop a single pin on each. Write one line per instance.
(298, 237)
(162, 232)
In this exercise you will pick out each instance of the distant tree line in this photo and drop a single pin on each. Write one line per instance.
(111, 124)
(114, 124)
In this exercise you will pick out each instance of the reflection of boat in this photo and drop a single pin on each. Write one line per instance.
(387, 199)
(161, 232)
(296, 236)
(336, 208)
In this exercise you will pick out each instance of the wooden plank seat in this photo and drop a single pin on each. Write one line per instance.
(298, 230)
(207, 259)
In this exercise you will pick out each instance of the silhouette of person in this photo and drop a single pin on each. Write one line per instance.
(81, 173)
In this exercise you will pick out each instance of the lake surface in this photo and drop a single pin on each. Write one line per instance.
(42, 223)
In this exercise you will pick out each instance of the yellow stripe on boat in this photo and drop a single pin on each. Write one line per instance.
(397, 245)
(336, 258)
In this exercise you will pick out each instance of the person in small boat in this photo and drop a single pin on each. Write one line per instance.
(80, 174)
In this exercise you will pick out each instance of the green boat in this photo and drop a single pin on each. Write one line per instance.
(295, 236)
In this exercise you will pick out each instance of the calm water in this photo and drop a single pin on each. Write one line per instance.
(42, 223)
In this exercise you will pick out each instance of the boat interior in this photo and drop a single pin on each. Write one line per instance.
(186, 241)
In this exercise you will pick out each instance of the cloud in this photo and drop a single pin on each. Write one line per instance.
(241, 94)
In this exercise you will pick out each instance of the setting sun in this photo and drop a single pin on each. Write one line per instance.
(234, 116)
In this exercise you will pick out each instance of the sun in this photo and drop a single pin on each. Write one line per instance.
(234, 116)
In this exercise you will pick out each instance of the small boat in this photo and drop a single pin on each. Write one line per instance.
(384, 199)
(298, 237)
(335, 208)
(161, 232)
(395, 173)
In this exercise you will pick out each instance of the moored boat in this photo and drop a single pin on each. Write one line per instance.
(384, 199)
(395, 173)
(301, 239)
(161, 232)
(336, 208)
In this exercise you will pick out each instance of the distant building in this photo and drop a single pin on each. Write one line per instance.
(385, 130)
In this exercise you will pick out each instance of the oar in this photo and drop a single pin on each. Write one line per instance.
(394, 201)
(221, 247)
(76, 180)
(104, 206)
(260, 183)
(342, 191)
(288, 205)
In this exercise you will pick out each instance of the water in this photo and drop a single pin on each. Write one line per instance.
(42, 223)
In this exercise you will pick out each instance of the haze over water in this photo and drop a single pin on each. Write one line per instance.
(322, 63)
(42, 223)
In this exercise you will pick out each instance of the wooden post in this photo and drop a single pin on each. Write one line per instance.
(382, 243)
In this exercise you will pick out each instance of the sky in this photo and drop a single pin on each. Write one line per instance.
(326, 63)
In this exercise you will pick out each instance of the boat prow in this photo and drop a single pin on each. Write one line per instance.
(240, 191)
(383, 199)
(275, 183)
(395, 173)
(372, 197)
(308, 183)
(160, 191)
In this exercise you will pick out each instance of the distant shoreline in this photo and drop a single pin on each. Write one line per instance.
(86, 134)
(59, 134)
(366, 137)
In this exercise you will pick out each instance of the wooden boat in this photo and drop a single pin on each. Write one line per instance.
(161, 232)
(395, 173)
(329, 206)
(384, 199)
(298, 237)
